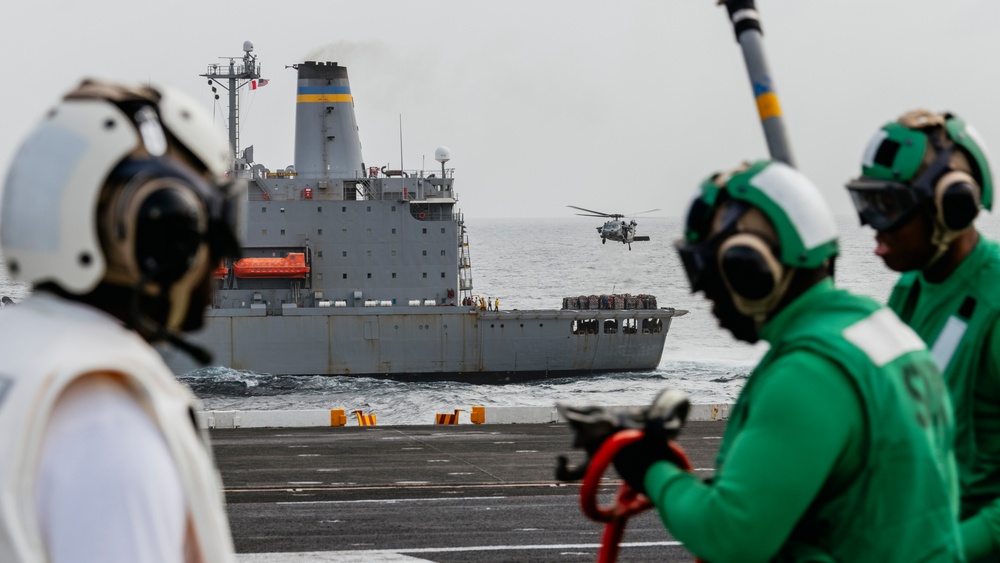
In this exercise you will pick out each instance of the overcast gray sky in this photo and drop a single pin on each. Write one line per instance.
(618, 106)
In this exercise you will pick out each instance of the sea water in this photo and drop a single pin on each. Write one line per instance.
(533, 264)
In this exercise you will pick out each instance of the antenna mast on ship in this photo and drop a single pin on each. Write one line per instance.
(237, 75)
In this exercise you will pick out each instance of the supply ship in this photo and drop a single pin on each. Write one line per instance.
(355, 270)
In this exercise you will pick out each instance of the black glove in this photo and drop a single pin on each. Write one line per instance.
(664, 419)
(634, 460)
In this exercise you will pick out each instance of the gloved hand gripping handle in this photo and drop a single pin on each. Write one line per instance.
(603, 434)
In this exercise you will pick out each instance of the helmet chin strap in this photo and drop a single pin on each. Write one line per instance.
(153, 331)
(941, 238)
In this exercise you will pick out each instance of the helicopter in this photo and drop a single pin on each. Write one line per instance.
(616, 228)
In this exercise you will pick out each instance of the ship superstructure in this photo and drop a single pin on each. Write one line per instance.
(355, 270)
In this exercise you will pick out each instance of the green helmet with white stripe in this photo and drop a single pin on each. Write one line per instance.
(807, 233)
(923, 161)
(751, 228)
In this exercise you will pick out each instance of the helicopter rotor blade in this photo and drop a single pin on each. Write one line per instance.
(641, 212)
(596, 213)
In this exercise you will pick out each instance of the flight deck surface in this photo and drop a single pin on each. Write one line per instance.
(425, 493)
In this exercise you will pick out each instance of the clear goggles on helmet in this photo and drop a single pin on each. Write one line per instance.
(888, 205)
(699, 258)
(884, 205)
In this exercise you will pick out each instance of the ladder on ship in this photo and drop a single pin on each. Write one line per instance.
(368, 190)
(464, 262)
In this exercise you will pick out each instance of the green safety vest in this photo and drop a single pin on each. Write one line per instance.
(955, 318)
(901, 504)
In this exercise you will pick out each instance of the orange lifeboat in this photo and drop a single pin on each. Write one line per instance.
(221, 271)
(291, 266)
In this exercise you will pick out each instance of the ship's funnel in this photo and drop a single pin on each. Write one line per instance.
(326, 131)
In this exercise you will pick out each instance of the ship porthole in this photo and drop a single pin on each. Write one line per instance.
(522, 325)
(501, 325)
(491, 325)
(540, 324)
(396, 327)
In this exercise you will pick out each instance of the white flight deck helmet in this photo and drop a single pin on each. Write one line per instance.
(125, 186)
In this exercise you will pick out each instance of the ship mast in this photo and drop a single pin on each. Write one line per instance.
(237, 75)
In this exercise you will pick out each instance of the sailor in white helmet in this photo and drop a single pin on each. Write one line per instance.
(115, 209)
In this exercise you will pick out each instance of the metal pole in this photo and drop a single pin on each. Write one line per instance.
(233, 142)
(746, 24)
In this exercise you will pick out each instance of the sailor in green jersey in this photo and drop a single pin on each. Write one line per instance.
(924, 178)
(839, 445)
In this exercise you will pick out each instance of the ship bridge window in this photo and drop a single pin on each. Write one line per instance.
(394, 275)
(425, 253)
(369, 253)
(425, 231)
(393, 208)
(442, 230)
(263, 210)
(319, 209)
(282, 231)
(369, 209)
(343, 209)
(369, 275)
(343, 253)
(394, 231)
(442, 274)
(629, 326)
(443, 253)
(319, 253)
(393, 253)
(584, 326)
(651, 326)
(319, 231)
(611, 326)
(345, 276)
(282, 209)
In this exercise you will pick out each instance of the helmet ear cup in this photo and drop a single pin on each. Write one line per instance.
(169, 230)
(957, 200)
(751, 272)
(154, 224)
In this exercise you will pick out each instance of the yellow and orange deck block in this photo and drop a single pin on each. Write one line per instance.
(338, 417)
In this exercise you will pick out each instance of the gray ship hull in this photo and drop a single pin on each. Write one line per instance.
(428, 343)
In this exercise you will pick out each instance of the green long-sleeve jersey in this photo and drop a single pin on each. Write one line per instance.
(838, 448)
(958, 319)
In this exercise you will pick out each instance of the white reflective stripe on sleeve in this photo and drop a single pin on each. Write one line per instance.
(868, 158)
(800, 200)
(883, 337)
(947, 342)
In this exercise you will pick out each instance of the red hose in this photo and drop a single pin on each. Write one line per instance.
(627, 501)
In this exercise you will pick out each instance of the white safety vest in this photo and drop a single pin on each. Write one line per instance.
(45, 344)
